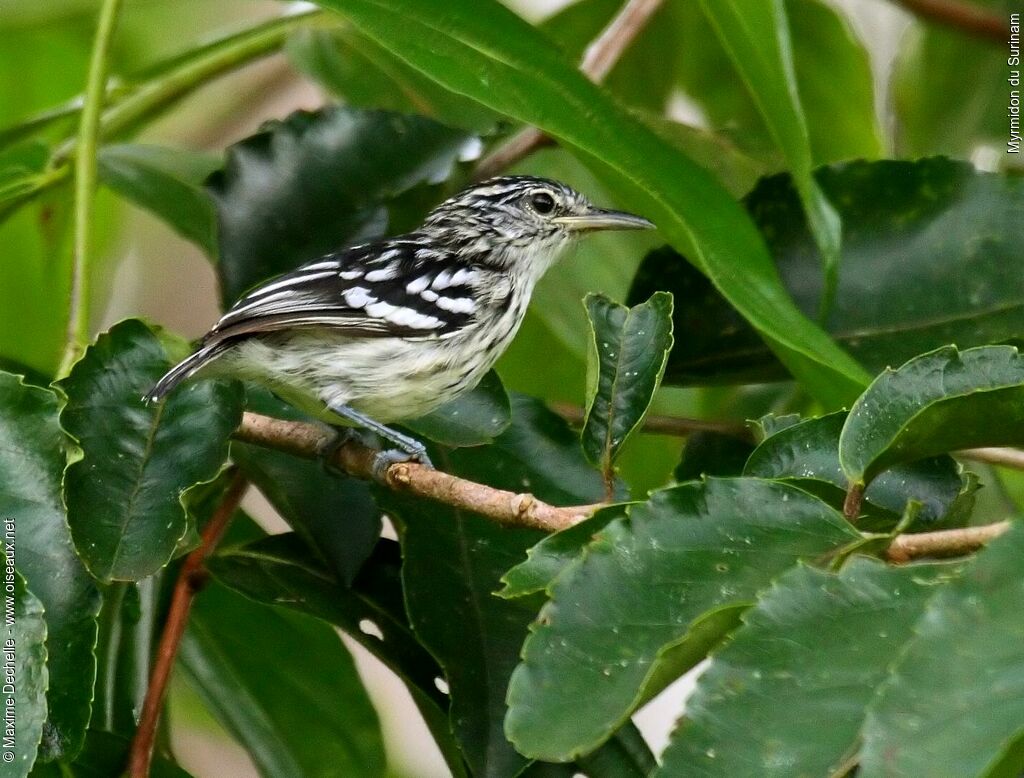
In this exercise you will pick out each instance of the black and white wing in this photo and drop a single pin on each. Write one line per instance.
(394, 288)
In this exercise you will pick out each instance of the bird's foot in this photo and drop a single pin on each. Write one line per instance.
(391, 456)
(328, 447)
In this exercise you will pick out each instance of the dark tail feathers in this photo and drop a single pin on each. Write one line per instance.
(183, 370)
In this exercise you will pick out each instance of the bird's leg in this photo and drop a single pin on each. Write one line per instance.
(407, 448)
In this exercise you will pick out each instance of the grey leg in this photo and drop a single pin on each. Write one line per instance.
(407, 448)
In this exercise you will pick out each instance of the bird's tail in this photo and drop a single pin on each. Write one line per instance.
(184, 370)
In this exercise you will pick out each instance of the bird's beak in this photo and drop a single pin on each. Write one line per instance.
(601, 219)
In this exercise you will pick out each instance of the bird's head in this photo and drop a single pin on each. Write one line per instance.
(516, 218)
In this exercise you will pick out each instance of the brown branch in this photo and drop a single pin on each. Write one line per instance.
(191, 579)
(1007, 457)
(665, 425)
(598, 60)
(853, 502)
(962, 16)
(507, 508)
(943, 543)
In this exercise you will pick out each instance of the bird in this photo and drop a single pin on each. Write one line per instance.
(390, 330)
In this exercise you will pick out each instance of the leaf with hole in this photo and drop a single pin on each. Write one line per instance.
(673, 577)
(124, 493)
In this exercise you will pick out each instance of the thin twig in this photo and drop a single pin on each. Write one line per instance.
(965, 17)
(525, 510)
(85, 186)
(943, 543)
(598, 60)
(191, 579)
(679, 426)
(508, 508)
(1007, 457)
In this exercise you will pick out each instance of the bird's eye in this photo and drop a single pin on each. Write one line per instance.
(542, 202)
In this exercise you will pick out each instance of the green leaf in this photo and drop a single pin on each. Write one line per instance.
(950, 90)
(941, 401)
(814, 649)
(482, 50)
(167, 182)
(958, 236)
(756, 35)
(124, 494)
(319, 181)
(712, 453)
(629, 350)
(474, 418)
(21, 167)
(24, 660)
(367, 75)
(537, 453)
(672, 577)
(296, 712)
(31, 469)
(807, 455)
(106, 754)
(550, 556)
(281, 571)
(963, 665)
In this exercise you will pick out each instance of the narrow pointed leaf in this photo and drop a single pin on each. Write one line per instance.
(480, 49)
(954, 701)
(317, 182)
(942, 401)
(629, 349)
(814, 648)
(958, 233)
(124, 494)
(650, 596)
(279, 571)
(31, 468)
(807, 455)
(756, 35)
(24, 675)
(296, 712)
(167, 182)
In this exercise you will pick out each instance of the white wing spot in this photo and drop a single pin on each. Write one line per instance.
(442, 281)
(428, 295)
(286, 282)
(457, 304)
(384, 273)
(463, 276)
(351, 275)
(418, 285)
(359, 297)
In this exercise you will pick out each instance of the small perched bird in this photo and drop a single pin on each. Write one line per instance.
(391, 330)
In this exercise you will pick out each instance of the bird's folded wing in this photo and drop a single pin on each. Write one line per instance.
(390, 289)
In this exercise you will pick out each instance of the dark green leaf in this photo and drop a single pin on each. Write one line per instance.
(536, 453)
(814, 649)
(553, 554)
(624, 755)
(297, 712)
(629, 350)
(483, 50)
(124, 495)
(474, 418)
(282, 572)
(24, 676)
(317, 182)
(712, 453)
(807, 455)
(31, 469)
(167, 182)
(649, 597)
(963, 665)
(367, 75)
(941, 401)
(105, 755)
(756, 35)
(957, 235)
